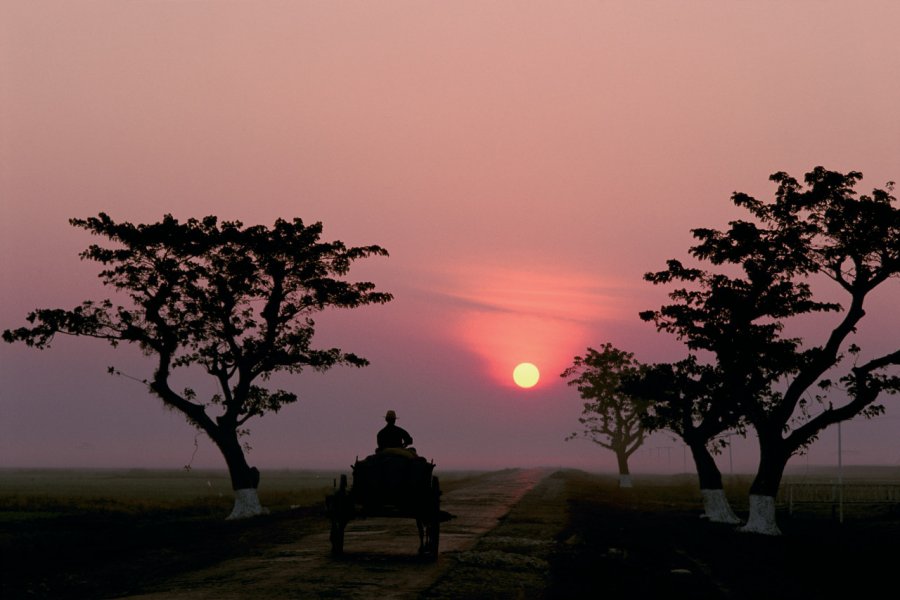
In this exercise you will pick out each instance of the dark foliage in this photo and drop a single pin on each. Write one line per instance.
(760, 279)
(610, 417)
(235, 301)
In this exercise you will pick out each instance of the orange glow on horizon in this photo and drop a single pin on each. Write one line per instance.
(503, 341)
(509, 317)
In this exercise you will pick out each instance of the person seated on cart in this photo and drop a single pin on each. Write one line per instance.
(394, 439)
(395, 473)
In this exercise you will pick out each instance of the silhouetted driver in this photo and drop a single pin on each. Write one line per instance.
(392, 436)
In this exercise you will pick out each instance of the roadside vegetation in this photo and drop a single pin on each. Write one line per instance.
(106, 533)
(580, 535)
(103, 534)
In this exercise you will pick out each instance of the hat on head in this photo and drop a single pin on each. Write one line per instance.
(390, 415)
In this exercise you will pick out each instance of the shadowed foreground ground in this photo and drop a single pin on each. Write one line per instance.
(572, 535)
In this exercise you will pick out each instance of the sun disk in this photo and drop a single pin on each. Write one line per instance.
(526, 375)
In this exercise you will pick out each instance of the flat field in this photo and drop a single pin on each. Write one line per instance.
(108, 534)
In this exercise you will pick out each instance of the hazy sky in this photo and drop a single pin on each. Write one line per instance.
(523, 162)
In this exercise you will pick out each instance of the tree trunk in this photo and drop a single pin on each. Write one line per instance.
(624, 474)
(772, 461)
(715, 504)
(244, 478)
(762, 516)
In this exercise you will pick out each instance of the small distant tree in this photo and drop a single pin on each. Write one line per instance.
(787, 389)
(235, 301)
(611, 418)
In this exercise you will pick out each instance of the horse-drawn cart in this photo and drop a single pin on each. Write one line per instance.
(390, 483)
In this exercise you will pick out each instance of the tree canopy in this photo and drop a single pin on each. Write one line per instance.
(611, 416)
(761, 278)
(235, 301)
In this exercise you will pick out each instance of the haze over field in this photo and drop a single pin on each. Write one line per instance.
(523, 162)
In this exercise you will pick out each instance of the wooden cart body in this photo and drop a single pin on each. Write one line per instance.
(389, 484)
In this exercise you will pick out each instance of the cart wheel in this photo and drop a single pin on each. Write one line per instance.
(436, 495)
(337, 536)
(338, 521)
(433, 538)
(433, 527)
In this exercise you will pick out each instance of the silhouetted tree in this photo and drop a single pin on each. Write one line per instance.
(237, 302)
(611, 418)
(781, 386)
(685, 398)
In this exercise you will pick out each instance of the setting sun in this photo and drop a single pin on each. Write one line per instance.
(526, 375)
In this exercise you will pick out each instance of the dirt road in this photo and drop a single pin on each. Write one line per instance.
(380, 561)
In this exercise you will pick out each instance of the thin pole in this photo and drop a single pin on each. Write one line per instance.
(840, 477)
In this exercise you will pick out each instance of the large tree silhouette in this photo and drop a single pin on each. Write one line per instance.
(235, 301)
(786, 388)
(610, 417)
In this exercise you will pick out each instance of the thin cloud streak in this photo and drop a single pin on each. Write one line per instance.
(506, 315)
(531, 292)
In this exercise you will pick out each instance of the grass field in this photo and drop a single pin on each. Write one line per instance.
(109, 533)
(649, 542)
(106, 533)
(64, 490)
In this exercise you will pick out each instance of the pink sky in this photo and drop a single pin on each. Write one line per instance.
(524, 163)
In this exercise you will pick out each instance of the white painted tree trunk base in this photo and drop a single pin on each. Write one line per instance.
(246, 505)
(716, 507)
(762, 516)
(625, 481)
